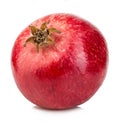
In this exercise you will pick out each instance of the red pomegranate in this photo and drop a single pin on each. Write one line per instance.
(59, 61)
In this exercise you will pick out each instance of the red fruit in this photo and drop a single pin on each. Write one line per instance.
(59, 61)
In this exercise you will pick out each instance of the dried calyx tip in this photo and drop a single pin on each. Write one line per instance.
(41, 36)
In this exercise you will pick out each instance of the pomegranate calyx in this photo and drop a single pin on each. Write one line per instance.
(41, 37)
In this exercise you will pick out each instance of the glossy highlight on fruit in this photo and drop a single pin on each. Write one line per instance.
(59, 61)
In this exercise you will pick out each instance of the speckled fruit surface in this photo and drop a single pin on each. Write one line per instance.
(64, 74)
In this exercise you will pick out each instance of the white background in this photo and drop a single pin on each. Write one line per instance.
(15, 15)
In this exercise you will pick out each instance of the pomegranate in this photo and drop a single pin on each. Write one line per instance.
(59, 61)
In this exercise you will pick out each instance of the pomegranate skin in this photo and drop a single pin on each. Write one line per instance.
(66, 74)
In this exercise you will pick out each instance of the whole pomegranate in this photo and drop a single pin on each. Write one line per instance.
(59, 61)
